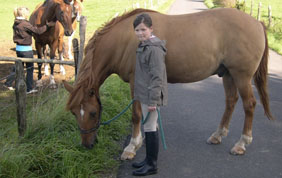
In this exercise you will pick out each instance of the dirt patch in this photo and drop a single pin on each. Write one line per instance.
(8, 49)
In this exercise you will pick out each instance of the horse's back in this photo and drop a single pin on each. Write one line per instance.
(199, 43)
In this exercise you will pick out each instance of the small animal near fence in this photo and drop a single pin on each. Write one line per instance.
(20, 84)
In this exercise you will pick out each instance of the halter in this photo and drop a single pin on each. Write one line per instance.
(67, 2)
(83, 131)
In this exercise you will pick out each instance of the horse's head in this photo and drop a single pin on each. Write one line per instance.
(86, 106)
(77, 8)
(63, 13)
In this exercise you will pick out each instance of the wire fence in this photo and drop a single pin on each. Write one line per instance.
(276, 7)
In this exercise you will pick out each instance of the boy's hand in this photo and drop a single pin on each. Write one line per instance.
(50, 24)
(152, 108)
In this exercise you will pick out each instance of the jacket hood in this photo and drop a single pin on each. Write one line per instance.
(155, 41)
(17, 21)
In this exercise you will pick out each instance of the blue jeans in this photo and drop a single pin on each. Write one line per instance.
(29, 69)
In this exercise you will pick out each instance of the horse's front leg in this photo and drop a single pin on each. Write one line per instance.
(52, 83)
(45, 52)
(61, 55)
(136, 138)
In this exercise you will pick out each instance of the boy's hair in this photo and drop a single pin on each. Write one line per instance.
(143, 18)
(21, 12)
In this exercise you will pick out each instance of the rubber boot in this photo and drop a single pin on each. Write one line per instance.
(139, 164)
(152, 150)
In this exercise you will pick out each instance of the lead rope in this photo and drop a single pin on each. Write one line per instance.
(160, 125)
(143, 121)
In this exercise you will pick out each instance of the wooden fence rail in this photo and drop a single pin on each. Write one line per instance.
(13, 59)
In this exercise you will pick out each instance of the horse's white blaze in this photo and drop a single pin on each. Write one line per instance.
(70, 45)
(78, 17)
(82, 112)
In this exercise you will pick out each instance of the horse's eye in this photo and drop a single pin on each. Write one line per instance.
(92, 114)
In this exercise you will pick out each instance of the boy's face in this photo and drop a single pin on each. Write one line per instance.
(22, 12)
(143, 32)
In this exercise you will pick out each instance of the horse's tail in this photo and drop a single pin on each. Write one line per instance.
(260, 78)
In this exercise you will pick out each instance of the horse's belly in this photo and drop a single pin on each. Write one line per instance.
(188, 73)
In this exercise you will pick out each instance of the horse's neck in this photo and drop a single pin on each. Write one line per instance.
(49, 12)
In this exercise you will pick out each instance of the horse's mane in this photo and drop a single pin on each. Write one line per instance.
(86, 76)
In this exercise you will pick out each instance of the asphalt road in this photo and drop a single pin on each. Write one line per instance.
(193, 114)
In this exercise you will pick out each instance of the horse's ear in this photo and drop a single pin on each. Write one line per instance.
(67, 86)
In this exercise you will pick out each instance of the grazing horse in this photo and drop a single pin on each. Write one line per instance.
(51, 10)
(198, 45)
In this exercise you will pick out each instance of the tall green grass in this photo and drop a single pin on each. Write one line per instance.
(51, 146)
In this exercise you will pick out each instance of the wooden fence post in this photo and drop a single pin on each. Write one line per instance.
(82, 30)
(259, 10)
(20, 97)
(75, 54)
(269, 16)
(151, 4)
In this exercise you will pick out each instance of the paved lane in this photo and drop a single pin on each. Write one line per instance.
(194, 112)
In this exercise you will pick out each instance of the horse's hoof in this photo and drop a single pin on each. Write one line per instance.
(39, 83)
(213, 141)
(236, 150)
(127, 155)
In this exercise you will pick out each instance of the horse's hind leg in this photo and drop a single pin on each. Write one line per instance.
(52, 78)
(136, 138)
(231, 98)
(249, 103)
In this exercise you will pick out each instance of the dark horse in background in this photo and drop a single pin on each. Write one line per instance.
(51, 10)
(225, 41)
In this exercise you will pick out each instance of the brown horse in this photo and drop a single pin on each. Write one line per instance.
(198, 45)
(51, 10)
(77, 8)
(59, 35)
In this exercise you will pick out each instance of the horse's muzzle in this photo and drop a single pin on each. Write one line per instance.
(91, 144)
(68, 32)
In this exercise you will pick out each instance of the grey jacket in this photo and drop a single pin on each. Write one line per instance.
(150, 85)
